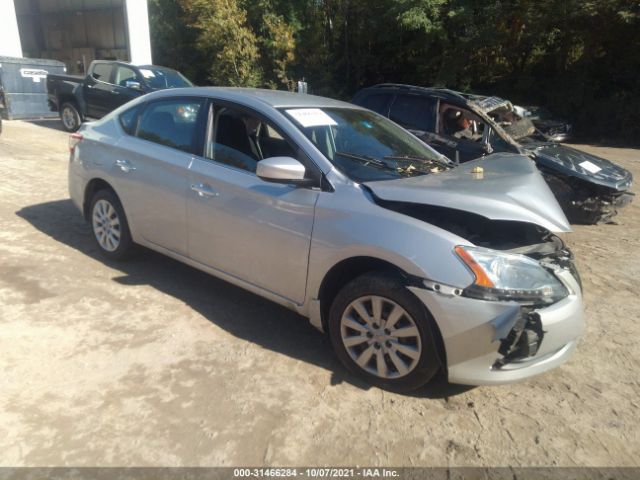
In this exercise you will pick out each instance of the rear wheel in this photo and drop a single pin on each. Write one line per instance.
(110, 227)
(383, 334)
(70, 117)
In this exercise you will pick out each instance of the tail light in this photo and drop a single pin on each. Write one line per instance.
(74, 140)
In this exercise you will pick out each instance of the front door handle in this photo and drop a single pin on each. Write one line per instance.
(204, 190)
(125, 166)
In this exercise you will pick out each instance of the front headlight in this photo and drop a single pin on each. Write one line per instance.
(507, 276)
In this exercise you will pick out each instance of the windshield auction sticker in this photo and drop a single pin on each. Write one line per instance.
(311, 117)
(147, 73)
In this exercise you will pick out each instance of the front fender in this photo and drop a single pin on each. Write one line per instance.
(349, 224)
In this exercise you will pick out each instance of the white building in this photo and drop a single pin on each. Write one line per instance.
(76, 31)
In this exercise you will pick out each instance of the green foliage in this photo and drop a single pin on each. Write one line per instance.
(229, 44)
(174, 43)
(580, 58)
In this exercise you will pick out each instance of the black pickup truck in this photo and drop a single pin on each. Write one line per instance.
(107, 85)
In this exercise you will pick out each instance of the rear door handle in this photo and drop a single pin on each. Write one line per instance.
(125, 166)
(204, 190)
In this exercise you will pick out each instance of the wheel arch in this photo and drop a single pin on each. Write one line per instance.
(350, 268)
(93, 187)
(72, 99)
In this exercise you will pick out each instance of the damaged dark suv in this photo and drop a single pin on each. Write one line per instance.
(464, 127)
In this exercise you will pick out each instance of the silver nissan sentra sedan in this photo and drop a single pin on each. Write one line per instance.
(333, 211)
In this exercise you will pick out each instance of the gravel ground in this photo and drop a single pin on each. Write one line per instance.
(153, 363)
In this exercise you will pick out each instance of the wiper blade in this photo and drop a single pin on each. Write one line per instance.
(381, 163)
(365, 159)
(407, 158)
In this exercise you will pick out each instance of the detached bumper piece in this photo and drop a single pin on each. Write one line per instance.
(497, 342)
(599, 209)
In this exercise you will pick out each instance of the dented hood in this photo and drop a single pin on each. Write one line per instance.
(509, 188)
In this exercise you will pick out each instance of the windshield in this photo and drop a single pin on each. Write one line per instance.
(364, 145)
(164, 78)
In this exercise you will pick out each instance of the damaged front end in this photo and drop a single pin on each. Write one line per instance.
(589, 189)
(511, 322)
(521, 312)
(587, 203)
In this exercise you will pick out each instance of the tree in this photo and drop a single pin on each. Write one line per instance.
(228, 43)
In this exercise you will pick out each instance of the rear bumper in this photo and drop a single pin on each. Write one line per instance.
(77, 183)
(472, 331)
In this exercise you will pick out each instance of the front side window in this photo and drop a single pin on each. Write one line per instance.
(102, 72)
(414, 112)
(171, 122)
(364, 145)
(241, 140)
(128, 119)
(123, 74)
(461, 123)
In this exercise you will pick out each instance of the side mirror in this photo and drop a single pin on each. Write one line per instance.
(133, 84)
(282, 170)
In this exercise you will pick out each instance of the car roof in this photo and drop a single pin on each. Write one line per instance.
(272, 98)
(439, 92)
(157, 67)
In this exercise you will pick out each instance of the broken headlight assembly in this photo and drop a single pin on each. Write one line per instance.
(507, 276)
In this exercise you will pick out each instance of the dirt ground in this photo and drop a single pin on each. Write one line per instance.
(153, 363)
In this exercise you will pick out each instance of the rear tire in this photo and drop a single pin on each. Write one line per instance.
(70, 117)
(383, 334)
(109, 226)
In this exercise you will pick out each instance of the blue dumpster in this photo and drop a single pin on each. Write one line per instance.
(24, 82)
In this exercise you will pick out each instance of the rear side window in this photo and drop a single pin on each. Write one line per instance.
(102, 72)
(414, 112)
(172, 123)
(129, 119)
(379, 103)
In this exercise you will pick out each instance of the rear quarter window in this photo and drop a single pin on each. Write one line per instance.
(129, 120)
(172, 123)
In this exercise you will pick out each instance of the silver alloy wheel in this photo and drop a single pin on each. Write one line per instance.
(380, 337)
(106, 225)
(69, 118)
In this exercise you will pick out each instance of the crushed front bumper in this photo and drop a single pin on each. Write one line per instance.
(475, 331)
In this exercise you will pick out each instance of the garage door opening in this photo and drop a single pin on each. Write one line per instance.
(77, 32)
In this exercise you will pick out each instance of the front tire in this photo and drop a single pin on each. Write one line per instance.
(70, 117)
(109, 226)
(383, 334)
